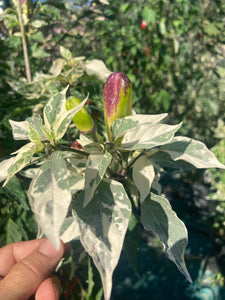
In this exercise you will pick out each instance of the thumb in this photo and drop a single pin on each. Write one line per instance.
(24, 278)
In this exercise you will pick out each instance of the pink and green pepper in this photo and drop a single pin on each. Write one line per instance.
(117, 99)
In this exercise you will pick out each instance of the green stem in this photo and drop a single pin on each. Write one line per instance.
(24, 43)
(65, 148)
(36, 160)
(135, 159)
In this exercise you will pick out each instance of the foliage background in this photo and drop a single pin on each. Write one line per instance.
(176, 65)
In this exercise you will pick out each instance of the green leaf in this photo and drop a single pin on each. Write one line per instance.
(20, 130)
(131, 242)
(54, 108)
(164, 160)
(38, 23)
(122, 125)
(16, 192)
(103, 225)
(50, 196)
(40, 53)
(143, 176)
(148, 136)
(193, 152)
(65, 53)
(12, 232)
(37, 36)
(149, 15)
(95, 170)
(63, 120)
(158, 216)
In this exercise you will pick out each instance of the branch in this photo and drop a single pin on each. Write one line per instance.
(25, 52)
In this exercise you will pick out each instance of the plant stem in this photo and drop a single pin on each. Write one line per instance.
(134, 160)
(65, 148)
(24, 43)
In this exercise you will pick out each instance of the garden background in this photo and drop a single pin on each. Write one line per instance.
(174, 54)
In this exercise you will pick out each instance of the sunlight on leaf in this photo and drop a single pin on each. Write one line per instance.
(158, 216)
(50, 196)
(103, 224)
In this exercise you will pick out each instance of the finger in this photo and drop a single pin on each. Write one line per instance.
(15, 252)
(25, 277)
(50, 289)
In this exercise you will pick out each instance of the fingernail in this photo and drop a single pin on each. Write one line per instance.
(48, 249)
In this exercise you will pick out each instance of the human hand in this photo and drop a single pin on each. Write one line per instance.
(25, 269)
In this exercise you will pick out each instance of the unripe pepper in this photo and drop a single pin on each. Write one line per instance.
(82, 119)
(117, 99)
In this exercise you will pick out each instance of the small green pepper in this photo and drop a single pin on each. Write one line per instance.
(81, 119)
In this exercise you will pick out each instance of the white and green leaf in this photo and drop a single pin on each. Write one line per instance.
(70, 230)
(33, 135)
(193, 152)
(148, 136)
(4, 167)
(103, 225)
(143, 176)
(50, 196)
(98, 68)
(29, 147)
(61, 123)
(20, 130)
(158, 216)
(23, 158)
(95, 170)
(65, 53)
(36, 123)
(54, 108)
(122, 125)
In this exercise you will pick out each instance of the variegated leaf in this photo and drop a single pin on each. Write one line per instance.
(158, 216)
(57, 66)
(37, 123)
(143, 176)
(63, 120)
(148, 136)
(97, 67)
(54, 108)
(70, 230)
(33, 135)
(103, 225)
(20, 130)
(30, 147)
(23, 158)
(4, 167)
(65, 52)
(122, 125)
(95, 170)
(47, 135)
(193, 152)
(76, 178)
(50, 196)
